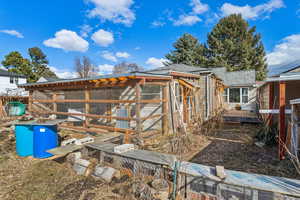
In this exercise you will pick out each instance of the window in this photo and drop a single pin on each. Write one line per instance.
(244, 95)
(16, 80)
(225, 95)
(234, 95)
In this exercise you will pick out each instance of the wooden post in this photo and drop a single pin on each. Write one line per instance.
(87, 94)
(282, 131)
(165, 111)
(271, 101)
(138, 108)
(184, 103)
(30, 101)
(1, 108)
(54, 98)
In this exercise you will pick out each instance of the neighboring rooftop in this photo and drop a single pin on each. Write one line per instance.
(237, 78)
(283, 68)
(178, 68)
(9, 74)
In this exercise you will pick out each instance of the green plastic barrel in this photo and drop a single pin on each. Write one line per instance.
(16, 108)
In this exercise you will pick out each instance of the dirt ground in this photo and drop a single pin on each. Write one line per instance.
(33, 179)
(232, 146)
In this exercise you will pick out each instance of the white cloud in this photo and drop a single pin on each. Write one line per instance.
(103, 38)
(85, 30)
(192, 17)
(158, 23)
(117, 11)
(252, 12)
(105, 69)
(137, 48)
(122, 55)
(109, 56)
(156, 62)
(187, 20)
(13, 33)
(63, 73)
(68, 41)
(286, 51)
(198, 7)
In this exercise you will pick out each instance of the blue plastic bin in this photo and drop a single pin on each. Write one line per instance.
(24, 140)
(45, 138)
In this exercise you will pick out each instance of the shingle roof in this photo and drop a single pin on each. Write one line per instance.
(237, 78)
(282, 68)
(178, 68)
(9, 74)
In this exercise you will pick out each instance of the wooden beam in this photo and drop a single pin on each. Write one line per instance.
(138, 108)
(111, 128)
(85, 115)
(82, 129)
(165, 111)
(282, 131)
(97, 101)
(87, 95)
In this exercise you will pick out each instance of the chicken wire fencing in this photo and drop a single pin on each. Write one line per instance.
(107, 110)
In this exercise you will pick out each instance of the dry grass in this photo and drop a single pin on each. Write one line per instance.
(233, 147)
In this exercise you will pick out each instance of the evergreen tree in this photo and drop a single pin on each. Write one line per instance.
(187, 51)
(33, 69)
(40, 63)
(235, 45)
(15, 62)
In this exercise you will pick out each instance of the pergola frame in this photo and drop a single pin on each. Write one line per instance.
(133, 80)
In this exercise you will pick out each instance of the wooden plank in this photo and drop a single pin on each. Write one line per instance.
(111, 128)
(282, 131)
(138, 108)
(165, 111)
(96, 101)
(274, 111)
(82, 129)
(85, 115)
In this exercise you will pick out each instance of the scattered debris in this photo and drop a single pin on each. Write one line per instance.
(105, 173)
(220, 172)
(80, 166)
(160, 184)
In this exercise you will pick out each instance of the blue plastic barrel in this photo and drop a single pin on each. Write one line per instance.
(45, 138)
(24, 140)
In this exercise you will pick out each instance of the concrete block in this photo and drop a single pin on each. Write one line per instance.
(123, 148)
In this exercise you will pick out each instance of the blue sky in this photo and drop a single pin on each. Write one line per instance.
(111, 31)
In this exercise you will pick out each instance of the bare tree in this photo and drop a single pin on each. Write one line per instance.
(84, 67)
(125, 67)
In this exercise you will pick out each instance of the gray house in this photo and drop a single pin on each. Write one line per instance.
(241, 89)
(241, 85)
